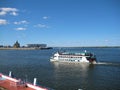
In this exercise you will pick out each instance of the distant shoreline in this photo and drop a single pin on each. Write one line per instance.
(57, 47)
(86, 46)
(25, 48)
(93, 47)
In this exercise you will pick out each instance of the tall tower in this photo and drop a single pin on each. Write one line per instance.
(16, 45)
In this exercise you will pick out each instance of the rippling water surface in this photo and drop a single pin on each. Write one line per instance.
(27, 64)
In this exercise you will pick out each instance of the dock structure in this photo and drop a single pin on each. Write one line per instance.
(10, 83)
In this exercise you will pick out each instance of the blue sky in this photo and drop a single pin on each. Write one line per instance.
(60, 22)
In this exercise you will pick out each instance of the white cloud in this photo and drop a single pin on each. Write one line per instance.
(14, 13)
(41, 26)
(8, 9)
(21, 22)
(20, 29)
(3, 22)
(11, 11)
(2, 13)
(45, 17)
(106, 40)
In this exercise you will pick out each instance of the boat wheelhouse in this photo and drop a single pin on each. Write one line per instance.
(77, 57)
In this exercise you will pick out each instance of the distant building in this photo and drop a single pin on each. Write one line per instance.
(16, 45)
(36, 45)
(7, 46)
(1, 46)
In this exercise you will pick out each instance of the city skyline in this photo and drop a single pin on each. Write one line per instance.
(60, 23)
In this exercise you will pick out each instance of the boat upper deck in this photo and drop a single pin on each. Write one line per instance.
(13, 84)
(76, 54)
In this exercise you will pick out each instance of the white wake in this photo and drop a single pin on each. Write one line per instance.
(107, 63)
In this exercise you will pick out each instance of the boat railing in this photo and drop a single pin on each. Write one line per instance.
(19, 82)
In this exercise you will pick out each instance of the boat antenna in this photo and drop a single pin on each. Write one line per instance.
(85, 51)
(35, 81)
(10, 73)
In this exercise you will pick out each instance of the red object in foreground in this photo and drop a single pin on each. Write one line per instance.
(14, 84)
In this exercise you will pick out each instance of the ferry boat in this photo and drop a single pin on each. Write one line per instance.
(75, 57)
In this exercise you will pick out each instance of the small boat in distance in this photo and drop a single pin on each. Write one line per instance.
(74, 57)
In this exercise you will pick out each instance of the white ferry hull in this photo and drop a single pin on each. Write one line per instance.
(53, 60)
(84, 57)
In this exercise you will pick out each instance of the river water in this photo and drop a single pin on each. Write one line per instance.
(29, 64)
